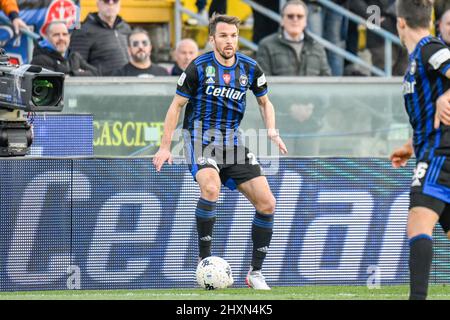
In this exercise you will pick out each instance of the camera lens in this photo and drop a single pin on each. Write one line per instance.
(46, 92)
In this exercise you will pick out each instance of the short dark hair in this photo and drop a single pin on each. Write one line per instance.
(136, 31)
(217, 18)
(417, 13)
(294, 2)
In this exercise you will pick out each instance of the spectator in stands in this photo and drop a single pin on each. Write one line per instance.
(375, 43)
(444, 27)
(102, 39)
(216, 6)
(263, 25)
(440, 7)
(140, 65)
(52, 53)
(185, 51)
(332, 26)
(11, 9)
(291, 52)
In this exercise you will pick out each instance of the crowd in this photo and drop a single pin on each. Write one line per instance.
(106, 45)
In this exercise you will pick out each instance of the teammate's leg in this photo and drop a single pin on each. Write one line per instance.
(421, 222)
(257, 191)
(209, 182)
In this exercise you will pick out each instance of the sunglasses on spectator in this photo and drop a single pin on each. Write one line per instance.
(292, 16)
(136, 43)
(111, 1)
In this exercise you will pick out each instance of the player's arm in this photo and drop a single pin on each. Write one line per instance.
(268, 114)
(401, 155)
(170, 123)
(438, 57)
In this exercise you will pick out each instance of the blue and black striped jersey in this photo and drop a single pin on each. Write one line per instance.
(217, 97)
(424, 83)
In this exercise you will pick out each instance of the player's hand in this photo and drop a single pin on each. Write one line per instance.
(399, 158)
(275, 137)
(19, 24)
(442, 114)
(160, 157)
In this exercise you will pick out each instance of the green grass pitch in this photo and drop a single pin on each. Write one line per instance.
(441, 292)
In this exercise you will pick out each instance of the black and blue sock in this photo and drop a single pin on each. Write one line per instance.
(205, 214)
(420, 258)
(262, 227)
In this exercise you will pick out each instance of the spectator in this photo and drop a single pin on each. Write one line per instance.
(52, 53)
(291, 52)
(11, 9)
(440, 7)
(102, 39)
(375, 43)
(185, 51)
(332, 27)
(216, 6)
(444, 27)
(140, 50)
(263, 25)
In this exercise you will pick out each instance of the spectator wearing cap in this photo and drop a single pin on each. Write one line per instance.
(140, 50)
(102, 38)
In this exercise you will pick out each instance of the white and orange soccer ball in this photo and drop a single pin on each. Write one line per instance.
(214, 273)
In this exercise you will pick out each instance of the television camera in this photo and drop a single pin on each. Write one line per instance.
(25, 89)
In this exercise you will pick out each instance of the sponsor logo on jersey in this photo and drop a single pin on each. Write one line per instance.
(409, 87)
(224, 92)
(210, 81)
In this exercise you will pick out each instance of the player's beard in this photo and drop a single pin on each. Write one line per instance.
(225, 55)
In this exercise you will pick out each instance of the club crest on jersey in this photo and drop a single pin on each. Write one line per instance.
(413, 68)
(210, 71)
(226, 77)
(243, 80)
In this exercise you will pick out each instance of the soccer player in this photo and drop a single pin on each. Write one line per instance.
(426, 95)
(214, 87)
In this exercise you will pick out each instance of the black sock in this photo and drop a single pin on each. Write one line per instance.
(205, 214)
(420, 257)
(261, 235)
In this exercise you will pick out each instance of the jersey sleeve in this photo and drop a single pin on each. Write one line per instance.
(436, 56)
(188, 82)
(259, 84)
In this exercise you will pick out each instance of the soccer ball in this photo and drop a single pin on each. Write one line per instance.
(214, 273)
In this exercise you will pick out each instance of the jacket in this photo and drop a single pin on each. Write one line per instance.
(46, 56)
(277, 57)
(100, 45)
(10, 8)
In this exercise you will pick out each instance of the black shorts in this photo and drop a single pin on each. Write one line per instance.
(430, 188)
(235, 165)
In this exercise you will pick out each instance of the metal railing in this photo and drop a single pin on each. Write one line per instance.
(389, 37)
